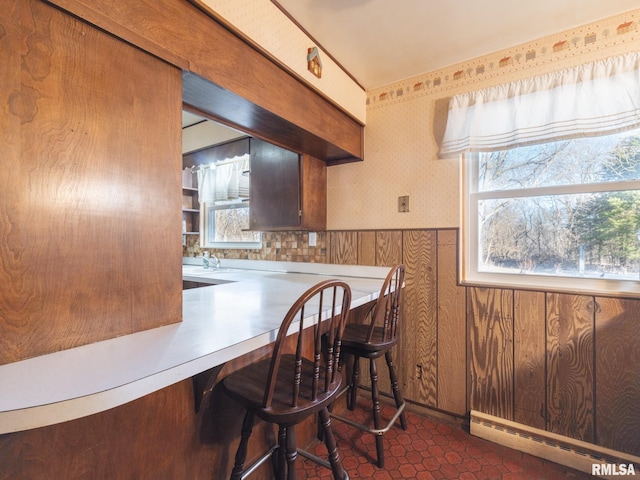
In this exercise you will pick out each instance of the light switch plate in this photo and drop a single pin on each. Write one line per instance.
(403, 204)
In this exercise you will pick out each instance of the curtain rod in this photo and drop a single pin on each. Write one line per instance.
(237, 158)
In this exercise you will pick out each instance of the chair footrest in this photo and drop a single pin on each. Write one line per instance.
(319, 461)
(367, 428)
(258, 462)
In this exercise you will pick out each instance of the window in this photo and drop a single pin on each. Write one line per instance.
(556, 212)
(223, 189)
(551, 190)
(226, 226)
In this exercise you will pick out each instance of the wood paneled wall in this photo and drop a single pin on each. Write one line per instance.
(617, 370)
(432, 350)
(159, 436)
(566, 363)
(90, 182)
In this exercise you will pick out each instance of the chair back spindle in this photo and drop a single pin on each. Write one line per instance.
(330, 300)
(386, 311)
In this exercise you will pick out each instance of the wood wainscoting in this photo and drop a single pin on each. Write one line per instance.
(564, 363)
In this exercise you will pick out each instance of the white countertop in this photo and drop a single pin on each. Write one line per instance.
(239, 314)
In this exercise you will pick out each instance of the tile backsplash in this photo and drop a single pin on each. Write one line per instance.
(290, 246)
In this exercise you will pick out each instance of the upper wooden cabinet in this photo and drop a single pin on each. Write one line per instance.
(288, 190)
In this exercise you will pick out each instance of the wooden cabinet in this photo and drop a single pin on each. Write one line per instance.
(288, 190)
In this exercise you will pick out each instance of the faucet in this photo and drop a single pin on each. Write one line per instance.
(209, 260)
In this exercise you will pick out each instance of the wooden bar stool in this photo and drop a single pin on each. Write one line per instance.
(300, 379)
(372, 340)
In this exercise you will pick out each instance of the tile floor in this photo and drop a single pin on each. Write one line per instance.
(429, 449)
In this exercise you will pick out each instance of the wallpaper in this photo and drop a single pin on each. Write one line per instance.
(404, 120)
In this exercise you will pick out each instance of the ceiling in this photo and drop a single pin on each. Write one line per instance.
(382, 41)
(190, 119)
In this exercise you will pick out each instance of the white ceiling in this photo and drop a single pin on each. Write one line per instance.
(189, 119)
(382, 41)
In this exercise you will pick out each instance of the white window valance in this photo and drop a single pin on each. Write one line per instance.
(598, 98)
(224, 180)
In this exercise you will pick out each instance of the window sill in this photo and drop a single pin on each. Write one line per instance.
(568, 285)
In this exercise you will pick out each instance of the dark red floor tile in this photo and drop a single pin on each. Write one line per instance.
(472, 465)
(429, 450)
(450, 471)
(431, 464)
(467, 476)
(425, 476)
(414, 457)
(436, 451)
(453, 458)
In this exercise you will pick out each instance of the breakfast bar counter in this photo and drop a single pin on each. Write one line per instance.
(239, 313)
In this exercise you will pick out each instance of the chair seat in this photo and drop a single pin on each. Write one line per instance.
(353, 341)
(247, 386)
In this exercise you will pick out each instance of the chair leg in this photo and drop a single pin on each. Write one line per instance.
(320, 430)
(355, 382)
(395, 388)
(377, 417)
(329, 441)
(291, 453)
(282, 459)
(241, 453)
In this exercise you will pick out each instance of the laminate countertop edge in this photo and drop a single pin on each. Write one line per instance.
(240, 313)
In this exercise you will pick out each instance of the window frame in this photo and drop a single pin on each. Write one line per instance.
(470, 273)
(208, 227)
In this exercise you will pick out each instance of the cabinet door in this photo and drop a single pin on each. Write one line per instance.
(275, 186)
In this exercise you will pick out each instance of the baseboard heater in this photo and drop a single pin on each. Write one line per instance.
(553, 447)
